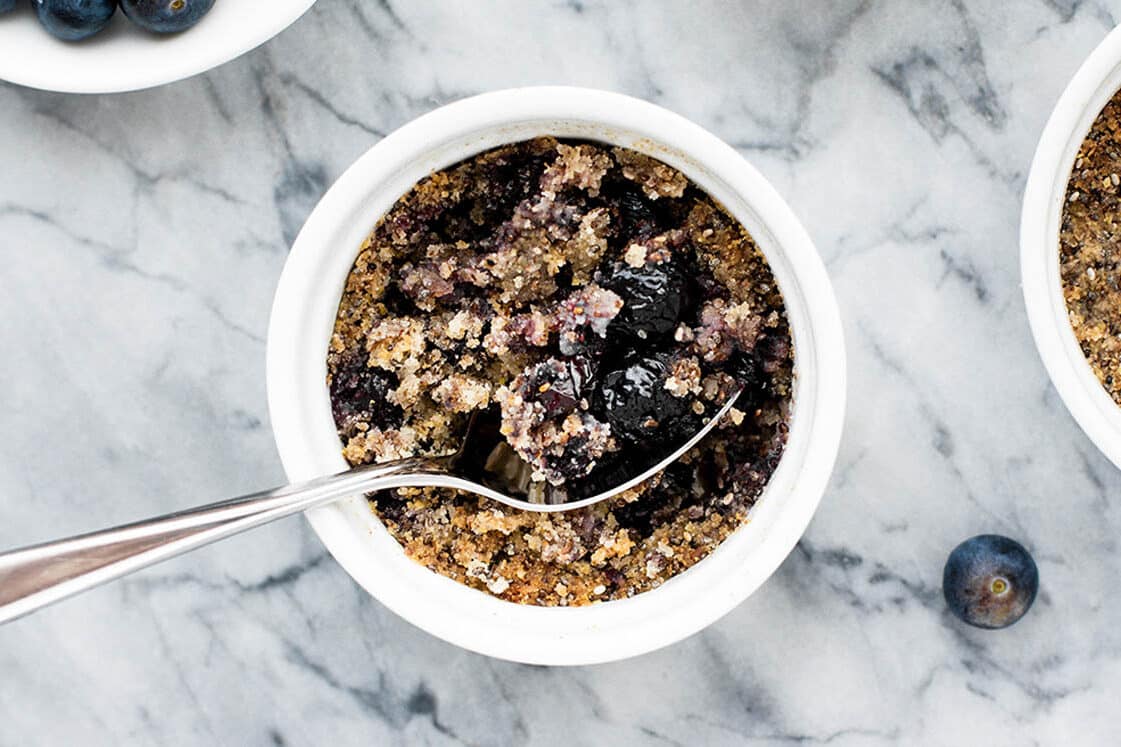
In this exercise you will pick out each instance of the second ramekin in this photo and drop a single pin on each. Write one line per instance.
(1092, 87)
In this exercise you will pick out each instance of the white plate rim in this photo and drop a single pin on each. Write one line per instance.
(183, 55)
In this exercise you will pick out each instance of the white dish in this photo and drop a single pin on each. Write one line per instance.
(303, 315)
(126, 58)
(1092, 87)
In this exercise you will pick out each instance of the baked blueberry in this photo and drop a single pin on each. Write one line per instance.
(746, 369)
(74, 20)
(166, 16)
(359, 394)
(558, 384)
(572, 460)
(635, 213)
(990, 581)
(636, 404)
(654, 298)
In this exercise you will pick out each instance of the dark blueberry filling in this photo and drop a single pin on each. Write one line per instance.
(635, 401)
(360, 394)
(656, 297)
(558, 384)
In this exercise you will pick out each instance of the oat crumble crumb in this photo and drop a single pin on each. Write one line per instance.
(1090, 248)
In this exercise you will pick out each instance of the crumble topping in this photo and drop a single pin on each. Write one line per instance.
(1090, 248)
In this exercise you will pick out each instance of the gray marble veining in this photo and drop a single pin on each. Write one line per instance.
(142, 236)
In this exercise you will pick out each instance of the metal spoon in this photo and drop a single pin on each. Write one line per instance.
(33, 577)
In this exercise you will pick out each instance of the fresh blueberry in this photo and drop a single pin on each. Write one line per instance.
(6, 5)
(638, 407)
(990, 581)
(654, 298)
(166, 16)
(74, 20)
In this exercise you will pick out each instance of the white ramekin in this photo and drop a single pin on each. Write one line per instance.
(1088, 92)
(303, 314)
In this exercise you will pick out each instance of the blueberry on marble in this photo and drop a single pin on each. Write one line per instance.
(74, 20)
(636, 404)
(990, 581)
(166, 16)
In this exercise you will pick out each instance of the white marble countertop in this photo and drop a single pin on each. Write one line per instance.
(142, 236)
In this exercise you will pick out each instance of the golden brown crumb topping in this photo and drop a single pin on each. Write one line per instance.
(1090, 248)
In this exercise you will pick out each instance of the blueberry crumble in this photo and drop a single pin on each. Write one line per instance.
(582, 309)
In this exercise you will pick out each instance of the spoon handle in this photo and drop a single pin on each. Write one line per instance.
(33, 577)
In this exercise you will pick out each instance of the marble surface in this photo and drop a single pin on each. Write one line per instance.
(142, 236)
